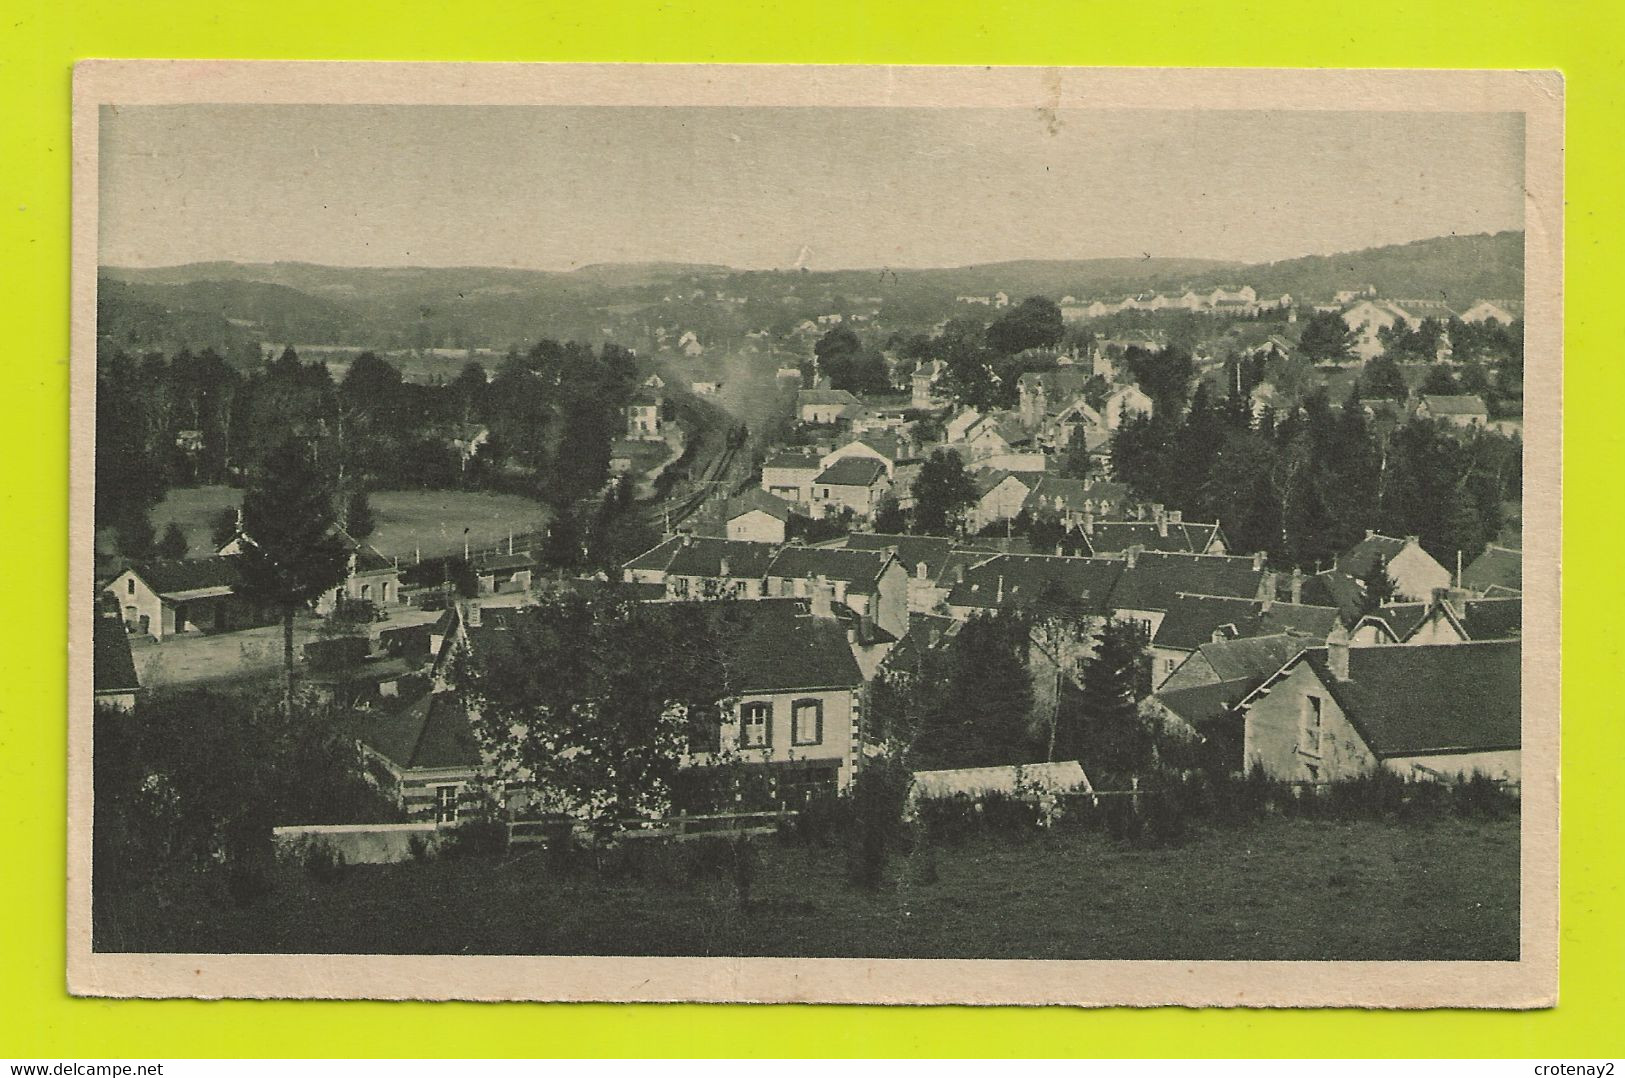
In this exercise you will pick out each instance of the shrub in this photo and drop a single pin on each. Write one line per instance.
(1484, 798)
(822, 820)
(949, 820)
(878, 796)
(322, 862)
(477, 838)
(420, 849)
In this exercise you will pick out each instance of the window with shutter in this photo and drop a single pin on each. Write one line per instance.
(807, 722)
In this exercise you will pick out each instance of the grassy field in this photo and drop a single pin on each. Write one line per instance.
(1282, 889)
(407, 519)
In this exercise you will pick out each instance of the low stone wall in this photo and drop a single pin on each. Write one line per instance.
(358, 844)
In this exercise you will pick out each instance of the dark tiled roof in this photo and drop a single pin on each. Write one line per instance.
(1116, 536)
(1357, 559)
(1300, 618)
(852, 472)
(192, 574)
(1330, 588)
(431, 731)
(1492, 619)
(1156, 579)
(824, 396)
(368, 560)
(779, 646)
(1061, 494)
(888, 445)
(1422, 698)
(757, 500)
(492, 563)
(860, 569)
(1403, 618)
(1191, 620)
(1013, 581)
(1498, 566)
(698, 555)
(113, 668)
(1199, 705)
(1252, 657)
(911, 550)
(925, 632)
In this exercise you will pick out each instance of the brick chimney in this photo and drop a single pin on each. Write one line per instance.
(1089, 522)
(1296, 585)
(1132, 554)
(1258, 561)
(1162, 523)
(1176, 516)
(1337, 652)
(722, 568)
(473, 615)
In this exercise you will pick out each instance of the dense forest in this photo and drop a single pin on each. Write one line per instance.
(1305, 485)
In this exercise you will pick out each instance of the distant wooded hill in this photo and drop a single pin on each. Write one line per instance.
(233, 306)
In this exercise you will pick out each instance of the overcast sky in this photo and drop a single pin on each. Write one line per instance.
(554, 188)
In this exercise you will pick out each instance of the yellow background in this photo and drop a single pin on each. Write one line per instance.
(40, 41)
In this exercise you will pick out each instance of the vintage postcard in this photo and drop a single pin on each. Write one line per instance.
(801, 534)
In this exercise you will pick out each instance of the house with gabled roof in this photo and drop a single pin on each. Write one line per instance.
(1124, 401)
(1427, 711)
(369, 576)
(1453, 617)
(756, 516)
(1236, 659)
(1153, 581)
(1166, 531)
(1026, 581)
(703, 567)
(797, 709)
(1041, 394)
(1191, 621)
(826, 406)
(890, 449)
(1000, 496)
(873, 583)
(1076, 501)
(1485, 311)
(851, 482)
(1200, 697)
(1414, 571)
(643, 419)
(794, 711)
(161, 599)
(115, 683)
(1497, 571)
(426, 755)
(789, 474)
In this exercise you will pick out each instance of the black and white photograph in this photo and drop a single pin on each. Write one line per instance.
(785, 534)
